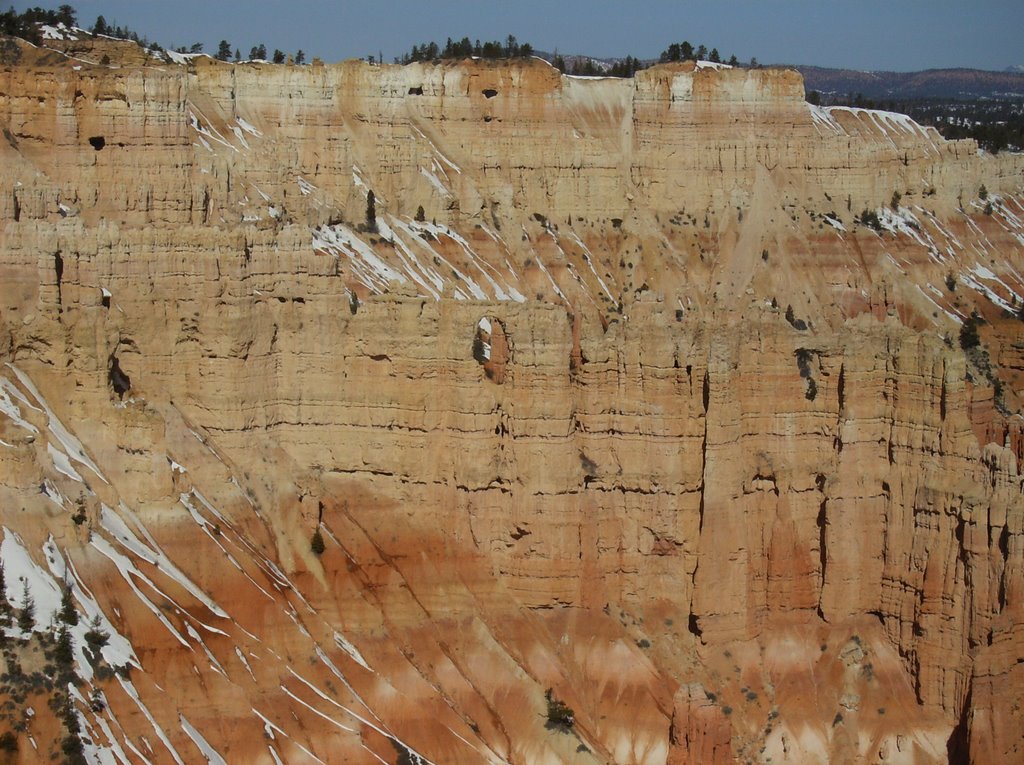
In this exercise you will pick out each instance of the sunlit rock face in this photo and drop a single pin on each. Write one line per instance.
(650, 393)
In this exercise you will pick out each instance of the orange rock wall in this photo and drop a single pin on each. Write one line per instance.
(670, 483)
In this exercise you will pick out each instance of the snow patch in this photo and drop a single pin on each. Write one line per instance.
(21, 572)
(930, 299)
(10, 408)
(888, 123)
(248, 128)
(53, 493)
(182, 58)
(835, 223)
(115, 525)
(130, 690)
(367, 267)
(245, 662)
(209, 132)
(62, 464)
(241, 137)
(551, 279)
(71, 444)
(823, 118)
(118, 650)
(590, 262)
(973, 279)
(201, 743)
(129, 572)
(58, 32)
(268, 727)
(351, 650)
(435, 182)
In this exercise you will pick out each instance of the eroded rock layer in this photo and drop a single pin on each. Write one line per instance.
(655, 398)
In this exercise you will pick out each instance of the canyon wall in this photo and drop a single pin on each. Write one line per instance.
(649, 394)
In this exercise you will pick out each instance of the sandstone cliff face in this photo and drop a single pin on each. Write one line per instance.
(639, 412)
(700, 731)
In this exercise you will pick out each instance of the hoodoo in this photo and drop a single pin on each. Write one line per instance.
(674, 401)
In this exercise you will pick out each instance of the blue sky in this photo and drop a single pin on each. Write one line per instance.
(898, 35)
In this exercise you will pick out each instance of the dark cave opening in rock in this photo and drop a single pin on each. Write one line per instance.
(117, 377)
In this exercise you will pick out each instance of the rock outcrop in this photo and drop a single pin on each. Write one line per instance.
(700, 730)
(650, 392)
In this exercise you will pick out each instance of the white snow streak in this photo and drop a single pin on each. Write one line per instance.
(201, 743)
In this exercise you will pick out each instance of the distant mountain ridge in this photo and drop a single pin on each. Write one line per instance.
(930, 83)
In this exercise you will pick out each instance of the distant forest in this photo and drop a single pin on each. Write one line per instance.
(26, 24)
(577, 65)
(463, 48)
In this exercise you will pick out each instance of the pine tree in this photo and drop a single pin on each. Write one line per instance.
(27, 614)
(560, 714)
(96, 637)
(69, 716)
(300, 57)
(71, 744)
(5, 605)
(969, 337)
(68, 614)
(9, 742)
(420, 214)
(80, 515)
(278, 56)
(371, 211)
(671, 53)
(100, 27)
(64, 653)
(316, 544)
(223, 51)
(66, 16)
